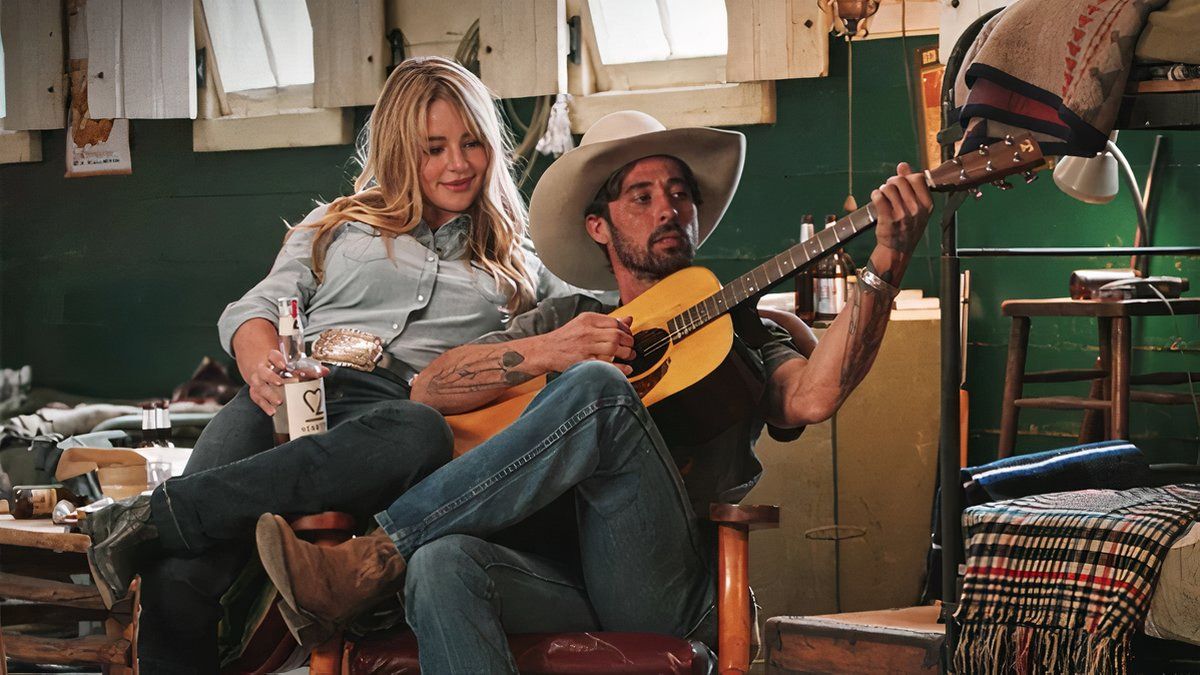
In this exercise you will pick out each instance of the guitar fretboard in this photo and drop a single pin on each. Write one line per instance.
(779, 268)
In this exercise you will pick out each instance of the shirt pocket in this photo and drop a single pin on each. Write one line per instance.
(485, 284)
(360, 243)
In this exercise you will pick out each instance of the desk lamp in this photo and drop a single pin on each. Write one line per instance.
(1094, 180)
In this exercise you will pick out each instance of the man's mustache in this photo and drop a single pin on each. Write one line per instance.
(669, 230)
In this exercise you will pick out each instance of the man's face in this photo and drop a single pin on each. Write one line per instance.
(653, 228)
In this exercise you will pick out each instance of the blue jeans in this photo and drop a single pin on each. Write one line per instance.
(645, 564)
(378, 444)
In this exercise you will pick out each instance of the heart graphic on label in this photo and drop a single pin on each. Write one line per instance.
(312, 399)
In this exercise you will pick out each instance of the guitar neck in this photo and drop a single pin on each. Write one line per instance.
(780, 268)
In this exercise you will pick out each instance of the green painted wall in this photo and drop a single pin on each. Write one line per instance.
(111, 286)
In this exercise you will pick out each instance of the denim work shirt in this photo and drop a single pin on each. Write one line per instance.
(424, 299)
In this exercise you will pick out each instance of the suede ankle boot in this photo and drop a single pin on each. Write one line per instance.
(329, 585)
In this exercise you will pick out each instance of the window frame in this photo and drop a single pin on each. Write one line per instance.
(237, 120)
(674, 91)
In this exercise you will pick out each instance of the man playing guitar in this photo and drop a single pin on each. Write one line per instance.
(624, 210)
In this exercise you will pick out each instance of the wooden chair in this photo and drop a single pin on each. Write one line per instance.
(1111, 378)
(586, 652)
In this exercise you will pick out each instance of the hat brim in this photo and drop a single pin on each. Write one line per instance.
(556, 209)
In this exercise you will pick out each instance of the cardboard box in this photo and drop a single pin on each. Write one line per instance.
(121, 471)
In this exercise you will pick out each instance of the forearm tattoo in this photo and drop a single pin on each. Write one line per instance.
(868, 321)
(494, 369)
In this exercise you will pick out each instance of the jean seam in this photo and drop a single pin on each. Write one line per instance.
(534, 575)
(399, 535)
(173, 518)
(699, 622)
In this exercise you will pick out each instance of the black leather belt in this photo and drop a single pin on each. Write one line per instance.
(360, 351)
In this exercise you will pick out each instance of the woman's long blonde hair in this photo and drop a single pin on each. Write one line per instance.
(388, 191)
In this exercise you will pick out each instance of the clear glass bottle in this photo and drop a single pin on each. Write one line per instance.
(303, 387)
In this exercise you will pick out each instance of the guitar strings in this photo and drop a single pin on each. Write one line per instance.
(702, 314)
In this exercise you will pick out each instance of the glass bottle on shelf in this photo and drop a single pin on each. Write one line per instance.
(149, 427)
(804, 280)
(829, 280)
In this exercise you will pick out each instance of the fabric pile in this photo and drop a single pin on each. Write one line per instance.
(1070, 94)
(1108, 464)
(1059, 583)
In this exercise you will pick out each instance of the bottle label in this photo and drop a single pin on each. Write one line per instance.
(305, 402)
(43, 500)
(831, 295)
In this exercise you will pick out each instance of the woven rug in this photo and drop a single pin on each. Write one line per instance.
(1058, 583)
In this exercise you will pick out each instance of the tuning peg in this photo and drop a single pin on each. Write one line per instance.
(983, 150)
(1002, 184)
(989, 167)
(1008, 139)
(1030, 176)
(962, 175)
(976, 193)
(1017, 157)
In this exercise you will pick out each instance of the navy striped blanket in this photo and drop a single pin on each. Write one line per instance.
(1058, 583)
(1108, 464)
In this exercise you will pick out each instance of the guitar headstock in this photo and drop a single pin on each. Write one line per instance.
(989, 164)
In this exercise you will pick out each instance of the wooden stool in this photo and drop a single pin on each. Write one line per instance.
(1110, 394)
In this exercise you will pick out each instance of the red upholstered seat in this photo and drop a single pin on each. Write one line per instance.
(559, 653)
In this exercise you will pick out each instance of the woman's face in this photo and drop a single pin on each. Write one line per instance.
(453, 165)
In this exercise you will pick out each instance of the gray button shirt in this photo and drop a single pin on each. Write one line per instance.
(424, 299)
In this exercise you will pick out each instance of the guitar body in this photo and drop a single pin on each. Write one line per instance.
(661, 368)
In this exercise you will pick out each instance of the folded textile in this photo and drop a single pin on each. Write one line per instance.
(1170, 33)
(1058, 583)
(1109, 464)
(1057, 69)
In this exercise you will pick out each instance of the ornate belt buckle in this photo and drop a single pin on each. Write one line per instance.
(348, 347)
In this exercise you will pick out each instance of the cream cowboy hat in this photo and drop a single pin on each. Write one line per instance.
(556, 209)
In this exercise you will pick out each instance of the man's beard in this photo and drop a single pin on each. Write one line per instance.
(644, 263)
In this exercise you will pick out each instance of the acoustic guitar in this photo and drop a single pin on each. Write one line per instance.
(681, 326)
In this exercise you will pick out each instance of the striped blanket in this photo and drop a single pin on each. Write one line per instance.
(1057, 69)
(1058, 583)
(1108, 464)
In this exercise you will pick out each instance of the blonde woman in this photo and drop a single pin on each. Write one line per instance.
(428, 254)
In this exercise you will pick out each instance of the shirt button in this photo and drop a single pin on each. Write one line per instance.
(420, 298)
(429, 258)
(395, 326)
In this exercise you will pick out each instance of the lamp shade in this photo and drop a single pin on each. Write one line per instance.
(1088, 179)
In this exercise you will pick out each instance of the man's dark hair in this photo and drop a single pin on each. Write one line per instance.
(611, 189)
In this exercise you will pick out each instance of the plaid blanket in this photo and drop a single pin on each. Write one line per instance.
(1058, 583)
(1056, 68)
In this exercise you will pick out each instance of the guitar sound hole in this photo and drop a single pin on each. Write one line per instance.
(649, 347)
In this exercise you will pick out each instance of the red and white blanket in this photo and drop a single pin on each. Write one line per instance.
(1058, 583)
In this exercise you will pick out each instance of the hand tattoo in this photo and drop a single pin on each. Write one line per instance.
(494, 369)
